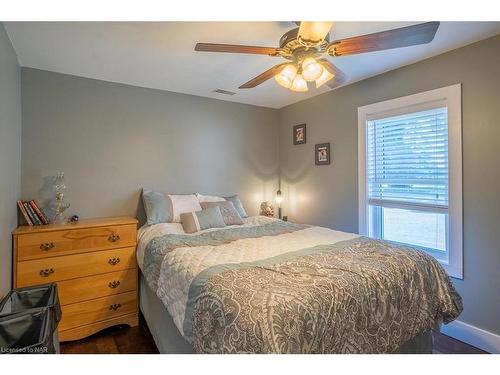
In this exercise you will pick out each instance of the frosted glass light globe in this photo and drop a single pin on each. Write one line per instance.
(311, 70)
(324, 78)
(299, 84)
(286, 76)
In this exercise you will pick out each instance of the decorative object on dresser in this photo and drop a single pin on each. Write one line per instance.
(299, 134)
(322, 154)
(59, 205)
(266, 209)
(32, 213)
(94, 265)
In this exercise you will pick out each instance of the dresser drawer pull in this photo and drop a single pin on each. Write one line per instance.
(114, 237)
(114, 284)
(114, 261)
(46, 272)
(47, 246)
(115, 306)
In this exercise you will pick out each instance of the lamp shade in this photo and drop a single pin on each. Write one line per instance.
(279, 198)
(299, 84)
(314, 32)
(311, 70)
(286, 76)
(324, 78)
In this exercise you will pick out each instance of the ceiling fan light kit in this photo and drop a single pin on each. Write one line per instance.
(296, 79)
(307, 45)
(286, 76)
(299, 84)
(324, 78)
(311, 70)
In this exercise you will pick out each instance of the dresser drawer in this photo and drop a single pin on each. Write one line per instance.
(40, 271)
(78, 314)
(74, 240)
(91, 287)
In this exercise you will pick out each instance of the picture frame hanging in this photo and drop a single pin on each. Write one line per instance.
(299, 134)
(322, 153)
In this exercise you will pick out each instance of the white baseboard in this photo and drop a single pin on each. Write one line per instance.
(475, 336)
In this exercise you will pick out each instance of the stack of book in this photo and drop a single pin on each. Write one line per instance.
(32, 213)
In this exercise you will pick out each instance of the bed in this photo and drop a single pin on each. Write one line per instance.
(270, 286)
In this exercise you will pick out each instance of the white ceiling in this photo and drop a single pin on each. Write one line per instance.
(161, 55)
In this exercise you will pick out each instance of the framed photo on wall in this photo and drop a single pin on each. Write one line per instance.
(299, 134)
(322, 153)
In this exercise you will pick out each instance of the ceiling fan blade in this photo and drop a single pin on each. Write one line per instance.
(261, 78)
(395, 38)
(234, 48)
(314, 32)
(339, 76)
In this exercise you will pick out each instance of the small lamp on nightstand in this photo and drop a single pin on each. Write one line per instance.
(279, 199)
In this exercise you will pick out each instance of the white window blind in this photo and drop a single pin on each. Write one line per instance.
(407, 160)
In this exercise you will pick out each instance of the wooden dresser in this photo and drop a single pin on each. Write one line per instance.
(94, 264)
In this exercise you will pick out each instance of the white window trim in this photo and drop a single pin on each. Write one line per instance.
(451, 96)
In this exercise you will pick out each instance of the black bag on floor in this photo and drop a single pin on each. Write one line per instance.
(41, 302)
(27, 333)
(32, 298)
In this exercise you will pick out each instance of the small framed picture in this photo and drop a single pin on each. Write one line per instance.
(299, 134)
(322, 154)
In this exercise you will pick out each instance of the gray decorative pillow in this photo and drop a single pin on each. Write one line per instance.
(237, 204)
(195, 221)
(155, 205)
(228, 211)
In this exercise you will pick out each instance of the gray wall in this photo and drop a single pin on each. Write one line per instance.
(113, 139)
(10, 153)
(327, 195)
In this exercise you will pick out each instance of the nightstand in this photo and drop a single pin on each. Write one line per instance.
(94, 265)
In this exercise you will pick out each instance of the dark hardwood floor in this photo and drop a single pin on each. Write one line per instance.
(448, 345)
(119, 339)
(138, 340)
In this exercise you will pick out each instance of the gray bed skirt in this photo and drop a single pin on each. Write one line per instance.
(169, 340)
(161, 325)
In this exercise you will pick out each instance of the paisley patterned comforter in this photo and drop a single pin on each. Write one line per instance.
(274, 287)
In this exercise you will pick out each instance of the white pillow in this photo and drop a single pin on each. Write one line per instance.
(182, 204)
(209, 198)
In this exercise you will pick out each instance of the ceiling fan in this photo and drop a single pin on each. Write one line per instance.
(307, 46)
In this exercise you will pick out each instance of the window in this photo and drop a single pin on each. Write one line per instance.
(410, 173)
